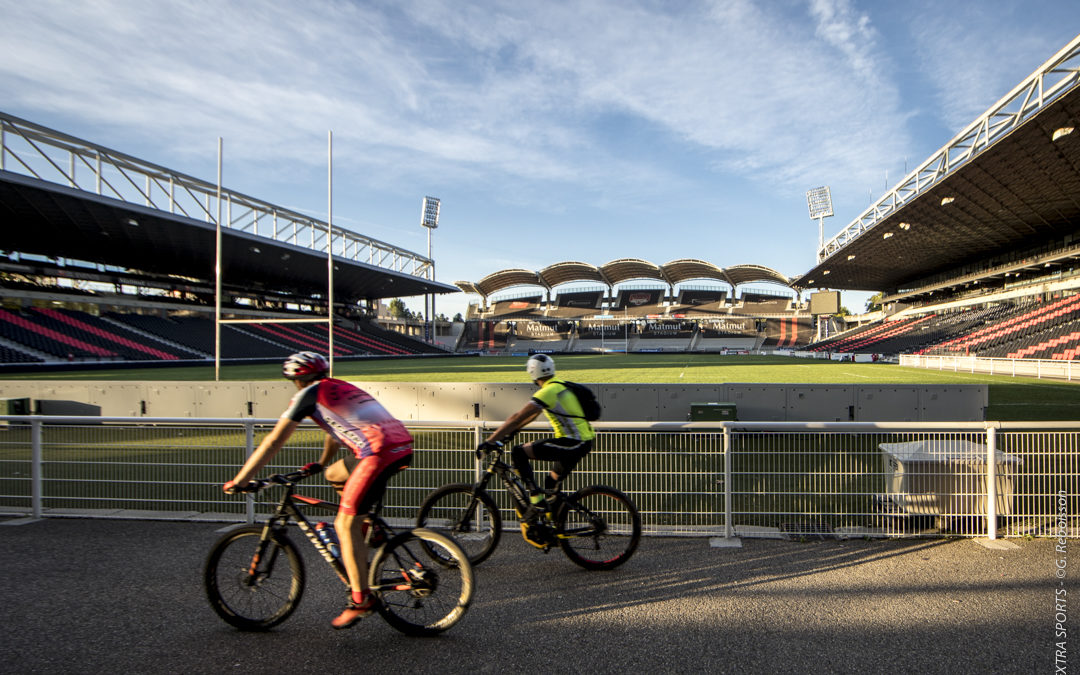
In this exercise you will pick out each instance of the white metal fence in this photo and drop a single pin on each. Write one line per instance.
(1038, 368)
(778, 479)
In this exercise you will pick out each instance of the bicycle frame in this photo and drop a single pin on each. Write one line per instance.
(256, 590)
(519, 495)
(287, 508)
(515, 486)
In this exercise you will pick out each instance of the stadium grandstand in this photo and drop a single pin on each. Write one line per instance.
(973, 254)
(635, 306)
(107, 258)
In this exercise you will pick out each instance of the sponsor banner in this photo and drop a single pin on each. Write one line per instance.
(519, 303)
(585, 299)
(538, 330)
(662, 329)
(786, 332)
(714, 328)
(595, 330)
(639, 298)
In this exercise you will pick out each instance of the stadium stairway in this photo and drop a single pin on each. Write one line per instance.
(866, 337)
(11, 352)
(181, 350)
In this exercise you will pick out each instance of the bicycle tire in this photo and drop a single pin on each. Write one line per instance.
(416, 597)
(452, 511)
(263, 602)
(603, 544)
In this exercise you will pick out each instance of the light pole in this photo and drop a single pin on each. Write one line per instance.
(819, 201)
(429, 218)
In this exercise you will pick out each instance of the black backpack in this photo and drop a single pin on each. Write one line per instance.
(585, 396)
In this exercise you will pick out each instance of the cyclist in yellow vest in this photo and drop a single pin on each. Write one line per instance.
(573, 437)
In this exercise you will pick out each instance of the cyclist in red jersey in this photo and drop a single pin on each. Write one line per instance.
(380, 445)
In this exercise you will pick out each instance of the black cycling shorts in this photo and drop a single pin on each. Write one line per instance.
(564, 452)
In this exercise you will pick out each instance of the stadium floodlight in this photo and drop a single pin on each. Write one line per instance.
(429, 218)
(819, 201)
(429, 215)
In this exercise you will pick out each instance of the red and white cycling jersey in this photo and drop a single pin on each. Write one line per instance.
(350, 415)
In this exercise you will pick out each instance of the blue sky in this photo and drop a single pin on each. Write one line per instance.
(551, 131)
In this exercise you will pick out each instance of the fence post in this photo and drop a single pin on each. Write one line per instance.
(477, 439)
(991, 483)
(35, 468)
(729, 529)
(249, 448)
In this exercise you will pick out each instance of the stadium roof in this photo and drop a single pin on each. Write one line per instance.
(566, 272)
(1008, 183)
(123, 212)
(619, 271)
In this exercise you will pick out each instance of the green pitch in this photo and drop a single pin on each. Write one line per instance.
(1010, 398)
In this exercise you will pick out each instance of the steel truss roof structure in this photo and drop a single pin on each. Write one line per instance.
(1009, 182)
(64, 197)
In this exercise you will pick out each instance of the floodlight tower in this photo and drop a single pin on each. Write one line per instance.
(819, 201)
(429, 218)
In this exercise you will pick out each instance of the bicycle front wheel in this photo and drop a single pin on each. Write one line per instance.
(468, 517)
(254, 583)
(415, 596)
(598, 527)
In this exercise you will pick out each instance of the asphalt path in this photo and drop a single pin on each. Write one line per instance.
(113, 596)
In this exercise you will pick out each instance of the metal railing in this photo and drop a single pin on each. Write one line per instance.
(1054, 369)
(777, 479)
(38, 152)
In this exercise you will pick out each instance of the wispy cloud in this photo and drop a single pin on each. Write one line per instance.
(486, 90)
(972, 55)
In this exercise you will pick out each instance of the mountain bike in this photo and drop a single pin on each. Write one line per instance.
(254, 575)
(597, 527)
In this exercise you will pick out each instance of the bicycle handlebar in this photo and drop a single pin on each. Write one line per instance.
(257, 484)
(499, 445)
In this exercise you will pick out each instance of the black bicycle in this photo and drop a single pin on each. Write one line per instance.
(597, 527)
(254, 575)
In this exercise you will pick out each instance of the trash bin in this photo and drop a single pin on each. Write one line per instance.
(945, 477)
(712, 412)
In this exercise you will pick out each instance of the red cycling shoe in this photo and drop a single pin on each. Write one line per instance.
(354, 612)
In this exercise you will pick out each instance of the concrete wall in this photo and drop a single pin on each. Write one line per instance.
(495, 401)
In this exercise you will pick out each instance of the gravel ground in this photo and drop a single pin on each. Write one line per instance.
(97, 596)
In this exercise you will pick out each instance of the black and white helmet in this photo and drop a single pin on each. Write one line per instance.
(540, 366)
(305, 365)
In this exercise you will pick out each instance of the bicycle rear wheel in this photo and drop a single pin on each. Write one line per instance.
(251, 583)
(598, 527)
(471, 519)
(415, 596)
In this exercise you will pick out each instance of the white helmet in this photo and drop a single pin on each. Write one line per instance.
(540, 366)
